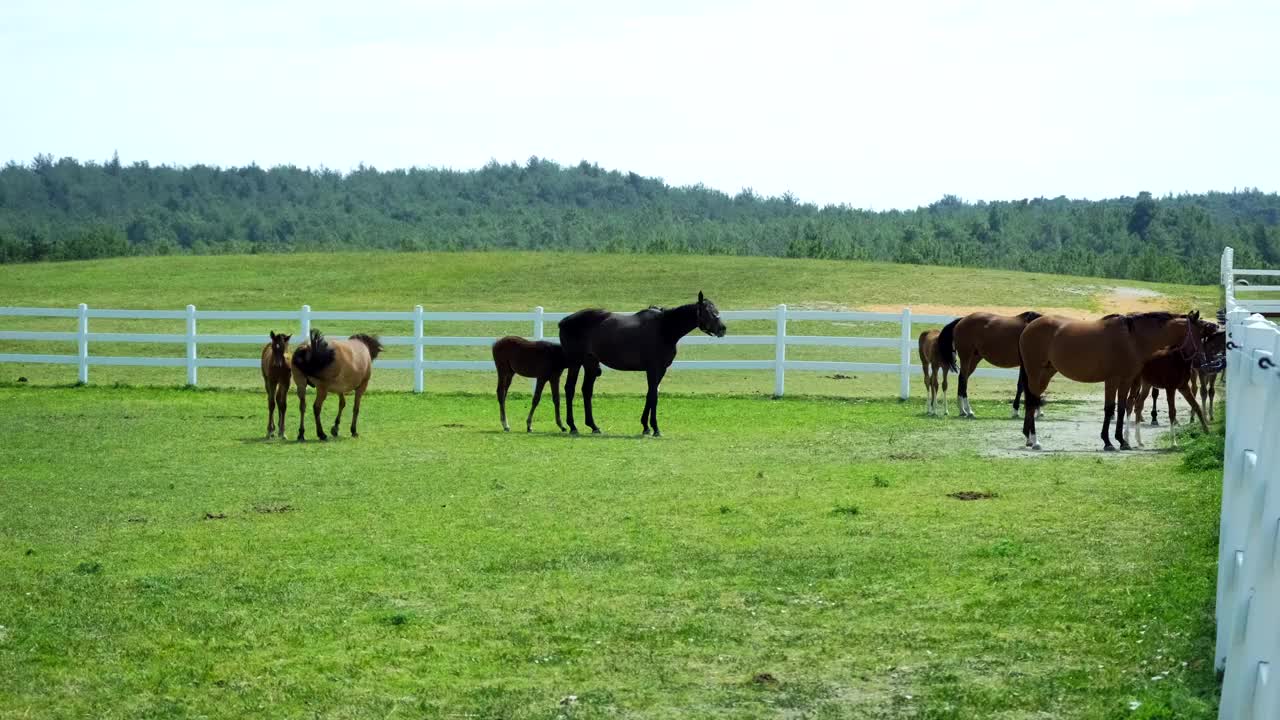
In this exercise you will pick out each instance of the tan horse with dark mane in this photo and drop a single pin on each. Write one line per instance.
(930, 362)
(1111, 350)
(1172, 371)
(276, 371)
(982, 336)
(337, 366)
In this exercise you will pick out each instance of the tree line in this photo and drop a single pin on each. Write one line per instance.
(66, 210)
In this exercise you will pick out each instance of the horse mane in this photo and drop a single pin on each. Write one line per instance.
(314, 356)
(370, 341)
(1028, 316)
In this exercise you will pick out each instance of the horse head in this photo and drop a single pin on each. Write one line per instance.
(279, 346)
(709, 320)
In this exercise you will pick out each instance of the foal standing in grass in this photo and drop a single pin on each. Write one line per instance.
(276, 371)
(534, 359)
(337, 366)
(930, 361)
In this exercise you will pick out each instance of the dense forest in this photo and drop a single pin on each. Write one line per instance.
(64, 209)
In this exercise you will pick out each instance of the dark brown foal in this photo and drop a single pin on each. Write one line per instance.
(1170, 371)
(541, 360)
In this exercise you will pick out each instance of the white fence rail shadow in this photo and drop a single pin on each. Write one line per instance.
(1248, 596)
(780, 340)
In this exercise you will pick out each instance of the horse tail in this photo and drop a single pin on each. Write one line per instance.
(370, 341)
(947, 345)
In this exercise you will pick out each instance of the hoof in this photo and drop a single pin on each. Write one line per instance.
(506, 429)
(1124, 445)
(333, 432)
(1108, 448)
(1036, 446)
(657, 434)
(527, 428)
(302, 438)
(1016, 414)
(562, 428)
(645, 431)
(595, 431)
(355, 434)
(1155, 423)
(573, 431)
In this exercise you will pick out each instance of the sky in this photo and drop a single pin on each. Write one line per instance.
(875, 105)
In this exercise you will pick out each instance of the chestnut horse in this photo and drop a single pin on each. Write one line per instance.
(534, 359)
(337, 366)
(1111, 350)
(645, 341)
(983, 336)
(276, 371)
(930, 361)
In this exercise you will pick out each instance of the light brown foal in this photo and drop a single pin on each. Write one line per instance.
(1111, 350)
(930, 361)
(276, 371)
(333, 366)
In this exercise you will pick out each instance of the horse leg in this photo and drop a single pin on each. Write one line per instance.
(945, 370)
(1211, 382)
(302, 410)
(504, 382)
(1029, 419)
(355, 406)
(588, 388)
(968, 365)
(1017, 394)
(655, 378)
(342, 405)
(1173, 411)
(928, 390)
(315, 410)
(1195, 406)
(1155, 403)
(271, 408)
(1122, 402)
(555, 398)
(569, 383)
(282, 402)
(1109, 410)
(537, 395)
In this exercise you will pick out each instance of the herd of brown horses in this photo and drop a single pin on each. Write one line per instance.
(1133, 356)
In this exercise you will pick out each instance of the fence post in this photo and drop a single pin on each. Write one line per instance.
(305, 316)
(780, 350)
(417, 349)
(904, 359)
(191, 345)
(82, 343)
(538, 330)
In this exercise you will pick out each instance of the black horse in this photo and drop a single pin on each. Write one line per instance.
(645, 341)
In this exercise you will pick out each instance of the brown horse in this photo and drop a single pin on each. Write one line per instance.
(1111, 350)
(1215, 348)
(276, 371)
(534, 359)
(337, 366)
(1167, 369)
(983, 336)
(930, 361)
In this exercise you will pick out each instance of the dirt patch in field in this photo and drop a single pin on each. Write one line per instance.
(1109, 299)
(971, 495)
(1075, 429)
(271, 509)
(215, 516)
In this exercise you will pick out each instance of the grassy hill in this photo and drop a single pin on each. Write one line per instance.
(520, 281)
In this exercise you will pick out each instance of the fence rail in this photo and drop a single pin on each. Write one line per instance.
(1248, 595)
(419, 341)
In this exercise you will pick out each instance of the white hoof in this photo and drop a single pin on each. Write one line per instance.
(1015, 414)
(1035, 446)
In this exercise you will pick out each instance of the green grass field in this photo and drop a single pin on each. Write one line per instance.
(767, 558)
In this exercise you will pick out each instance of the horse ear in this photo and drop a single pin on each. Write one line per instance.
(287, 338)
(1194, 315)
(273, 335)
(700, 298)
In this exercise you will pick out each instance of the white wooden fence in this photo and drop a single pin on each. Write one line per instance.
(780, 340)
(1248, 602)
